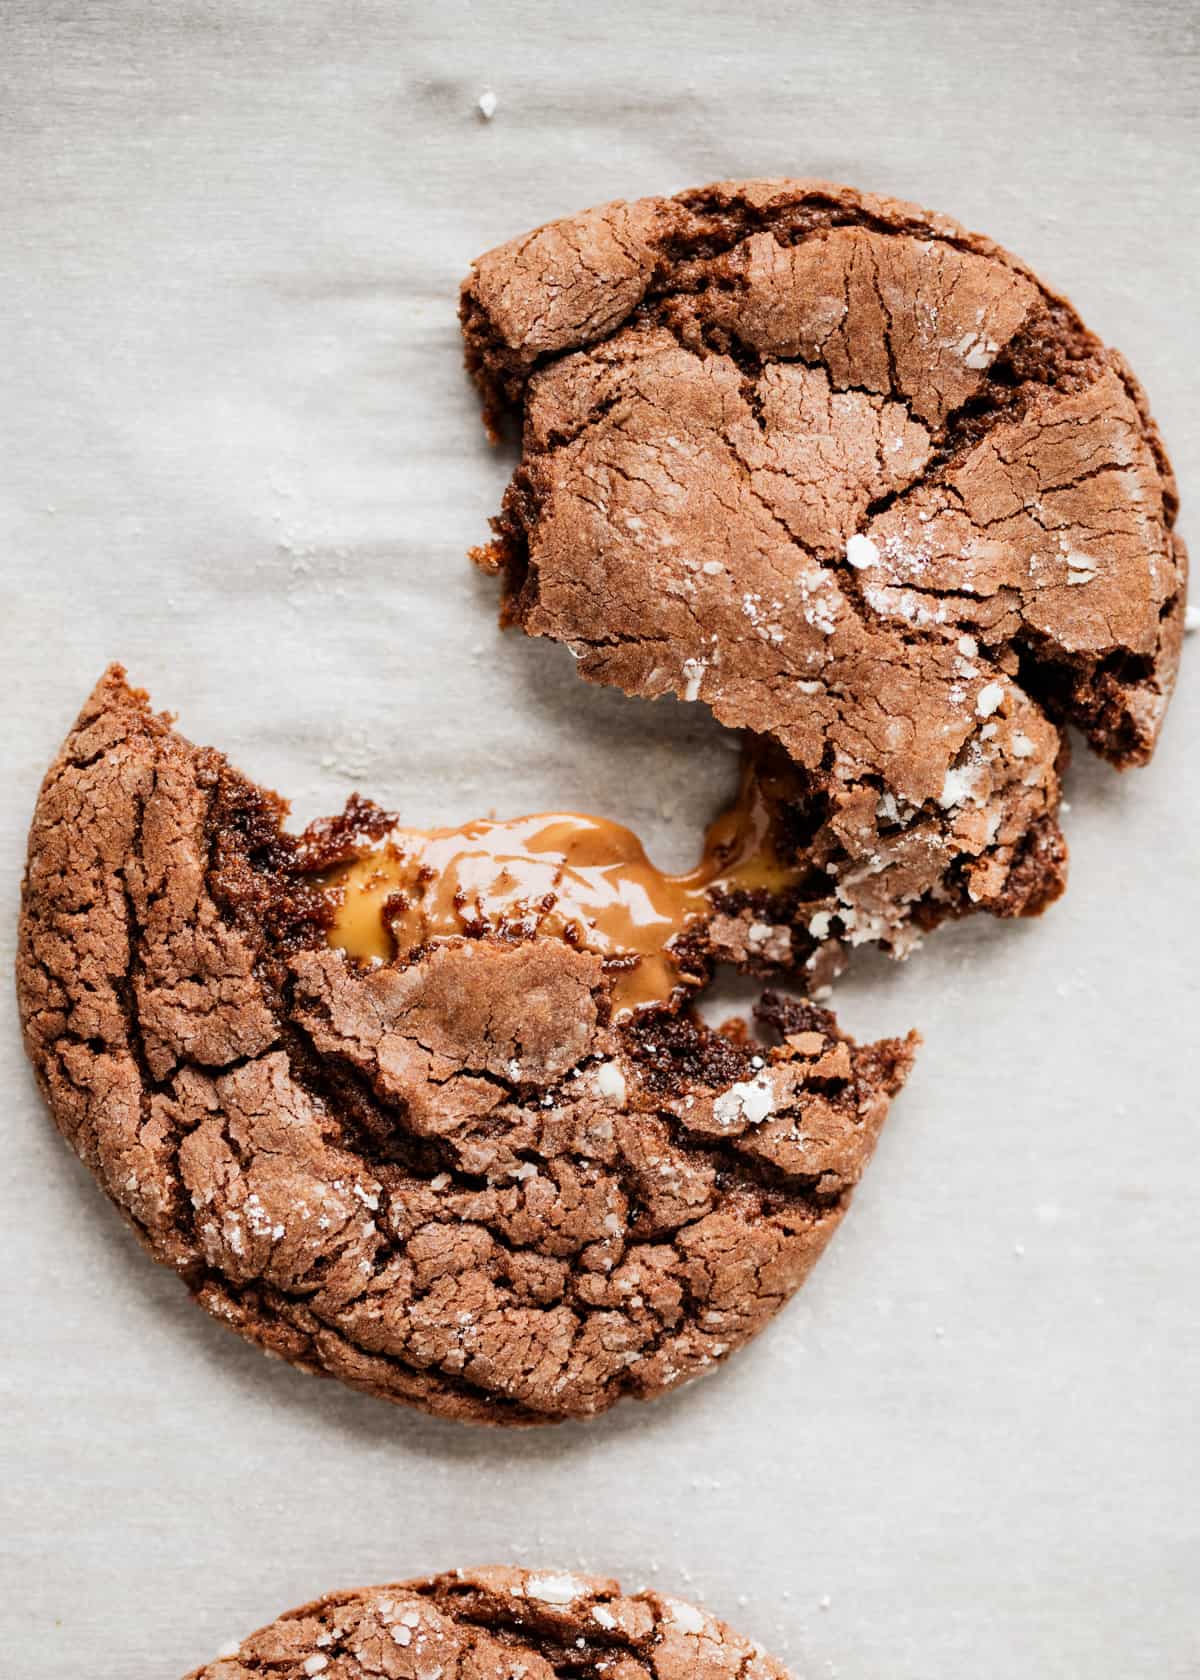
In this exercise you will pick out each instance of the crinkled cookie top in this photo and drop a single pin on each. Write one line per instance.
(497, 1624)
(857, 480)
(450, 1179)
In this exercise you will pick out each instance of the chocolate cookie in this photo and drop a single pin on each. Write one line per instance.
(855, 478)
(497, 1624)
(458, 1172)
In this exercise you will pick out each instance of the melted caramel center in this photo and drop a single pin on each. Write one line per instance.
(560, 874)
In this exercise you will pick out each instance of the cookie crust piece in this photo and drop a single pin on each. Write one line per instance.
(452, 1181)
(855, 478)
(497, 1624)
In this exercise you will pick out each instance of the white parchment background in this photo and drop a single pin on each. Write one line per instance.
(238, 452)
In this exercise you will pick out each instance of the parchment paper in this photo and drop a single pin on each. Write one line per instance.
(238, 452)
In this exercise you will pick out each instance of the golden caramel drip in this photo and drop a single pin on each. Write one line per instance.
(559, 874)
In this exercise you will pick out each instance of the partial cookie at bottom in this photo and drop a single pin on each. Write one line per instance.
(496, 1624)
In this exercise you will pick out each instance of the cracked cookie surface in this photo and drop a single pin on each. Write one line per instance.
(454, 1179)
(497, 1624)
(856, 479)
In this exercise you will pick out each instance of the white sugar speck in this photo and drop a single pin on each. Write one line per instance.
(976, 351)
(685, 1616)
(555, 1589)
(958, 785)
(610, 1082)
(750, 1100)
(861, 552)
(487, 104)
(693, 670)
(989, 699)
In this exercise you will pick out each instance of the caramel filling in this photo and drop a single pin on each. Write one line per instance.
(578, 878)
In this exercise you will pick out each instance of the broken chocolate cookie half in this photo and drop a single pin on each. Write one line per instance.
(497, 1624)
(430, 1112)
(857, 480)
